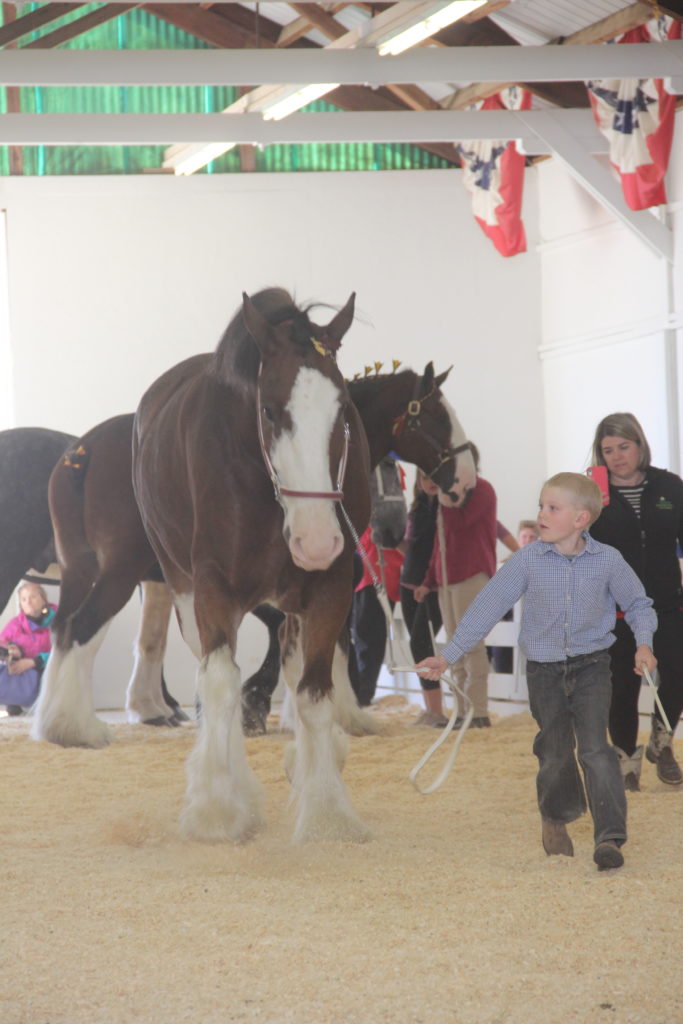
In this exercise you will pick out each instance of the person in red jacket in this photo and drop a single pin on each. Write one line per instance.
(465, 547)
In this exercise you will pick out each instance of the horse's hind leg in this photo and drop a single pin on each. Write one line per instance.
(65, 711)
(315, 760)
(144, 697)
(223, 796)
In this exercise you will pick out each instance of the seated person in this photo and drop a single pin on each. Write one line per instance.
(26, 638)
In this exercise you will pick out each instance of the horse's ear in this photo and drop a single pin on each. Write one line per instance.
(427, 380)
(257, 325)
(337, 328)
(438, 381)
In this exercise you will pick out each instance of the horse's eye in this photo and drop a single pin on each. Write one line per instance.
(268, 413)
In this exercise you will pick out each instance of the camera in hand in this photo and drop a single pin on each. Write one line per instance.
(5, 654)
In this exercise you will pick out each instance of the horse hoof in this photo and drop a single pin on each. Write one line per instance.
(335, 828)
(180, 716)
(253, 721)
(158, 721)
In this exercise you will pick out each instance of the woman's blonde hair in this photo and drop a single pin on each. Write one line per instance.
(583, 491)
(621, 424)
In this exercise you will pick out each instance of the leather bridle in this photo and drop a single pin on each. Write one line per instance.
(410, 420)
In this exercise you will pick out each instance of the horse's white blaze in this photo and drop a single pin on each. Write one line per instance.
(301, 458)
(223, 796)
(314, 762)
(465, 471)
(65, 712)
(144, 696)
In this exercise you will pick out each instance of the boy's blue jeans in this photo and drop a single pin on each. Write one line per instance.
(570, 702)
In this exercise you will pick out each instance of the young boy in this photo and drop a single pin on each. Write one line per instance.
(572, 586)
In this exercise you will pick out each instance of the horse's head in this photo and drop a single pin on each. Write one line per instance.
(302, 419)
(389, 510)
(429, 434)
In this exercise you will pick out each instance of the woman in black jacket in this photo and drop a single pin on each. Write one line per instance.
(644, 521)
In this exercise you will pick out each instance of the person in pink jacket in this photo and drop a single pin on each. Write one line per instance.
(24, 648)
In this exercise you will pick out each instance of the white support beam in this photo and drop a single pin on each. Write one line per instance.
(239, 129)
(361, 65)
(598, 180)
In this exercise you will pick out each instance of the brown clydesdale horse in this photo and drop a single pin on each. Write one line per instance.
(229, 538)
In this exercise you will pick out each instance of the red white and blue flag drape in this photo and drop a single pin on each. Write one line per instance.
(494, 173)
(636, 115)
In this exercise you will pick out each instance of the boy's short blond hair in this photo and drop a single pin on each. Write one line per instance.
(583, 491)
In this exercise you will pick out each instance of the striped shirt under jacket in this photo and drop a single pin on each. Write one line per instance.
(569, 604)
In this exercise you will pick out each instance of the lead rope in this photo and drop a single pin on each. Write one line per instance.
(450, 680)
(655, 694)
(407, 667)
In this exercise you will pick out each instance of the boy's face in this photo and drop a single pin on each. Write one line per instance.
(558, 516)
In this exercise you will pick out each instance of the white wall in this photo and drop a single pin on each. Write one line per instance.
(610, 316)
(112, 280)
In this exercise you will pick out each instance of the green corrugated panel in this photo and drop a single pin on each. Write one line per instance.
(139, 30)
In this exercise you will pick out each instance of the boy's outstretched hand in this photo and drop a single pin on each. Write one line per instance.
(644, 656)
(432, 668)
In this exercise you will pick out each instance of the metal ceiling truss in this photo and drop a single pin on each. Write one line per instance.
(352, 61)
(361, 66)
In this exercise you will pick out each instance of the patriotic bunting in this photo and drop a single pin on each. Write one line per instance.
(494, 173)
(636, 115)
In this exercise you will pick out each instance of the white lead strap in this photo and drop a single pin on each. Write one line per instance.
(665, 720)
(443, 774)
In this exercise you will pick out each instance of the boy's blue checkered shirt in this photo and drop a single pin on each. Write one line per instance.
(569, 604)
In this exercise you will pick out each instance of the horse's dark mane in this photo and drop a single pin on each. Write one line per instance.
(237, 356)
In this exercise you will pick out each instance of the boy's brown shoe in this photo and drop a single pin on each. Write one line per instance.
(608, 855)
(556, 839)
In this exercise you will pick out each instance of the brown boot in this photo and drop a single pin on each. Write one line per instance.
(556, 839)
(608, 855)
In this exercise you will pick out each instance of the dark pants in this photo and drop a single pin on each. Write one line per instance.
(668, 648)
(368, 643)
(417, 617)
(570, 702)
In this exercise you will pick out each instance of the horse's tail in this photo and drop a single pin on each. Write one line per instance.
(66, 498)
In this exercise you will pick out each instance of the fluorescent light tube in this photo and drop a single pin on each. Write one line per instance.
(197, 159)
(296, 100)
(444, 14)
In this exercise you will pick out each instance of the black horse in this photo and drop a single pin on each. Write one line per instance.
(27, 457)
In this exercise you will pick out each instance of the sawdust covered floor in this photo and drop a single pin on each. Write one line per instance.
(453, 915)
